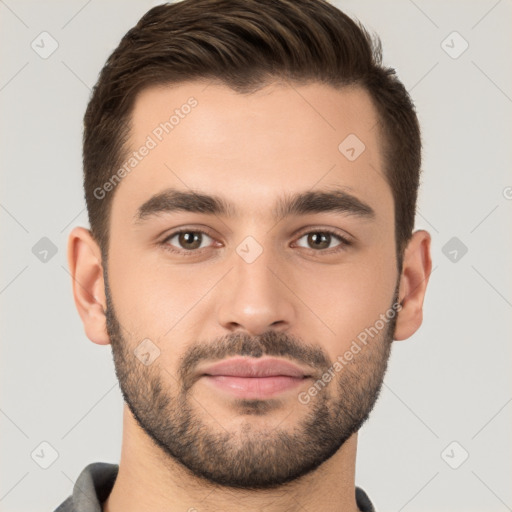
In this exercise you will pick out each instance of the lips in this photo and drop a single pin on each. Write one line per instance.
(259, 379)
(247, 368)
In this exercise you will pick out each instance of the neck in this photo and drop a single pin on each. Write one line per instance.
(150, 480)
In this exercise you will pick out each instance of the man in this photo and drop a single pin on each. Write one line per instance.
(251, 174)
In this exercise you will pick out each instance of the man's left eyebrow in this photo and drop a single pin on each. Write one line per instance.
(323, 201)
(316, 201)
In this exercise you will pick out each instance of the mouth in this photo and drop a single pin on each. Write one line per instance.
(255, 379)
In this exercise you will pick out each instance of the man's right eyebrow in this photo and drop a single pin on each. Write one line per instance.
(174, 200)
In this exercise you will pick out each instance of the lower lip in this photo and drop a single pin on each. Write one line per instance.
(254, 387)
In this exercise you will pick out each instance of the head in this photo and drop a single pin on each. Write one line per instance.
(251, 184)
(247, 45)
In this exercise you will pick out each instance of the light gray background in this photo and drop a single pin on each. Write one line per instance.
(450, 382)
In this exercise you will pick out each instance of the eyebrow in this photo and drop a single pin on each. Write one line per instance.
(302, 203)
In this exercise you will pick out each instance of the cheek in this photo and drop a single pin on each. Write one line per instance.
(347, 300)
(156, 300)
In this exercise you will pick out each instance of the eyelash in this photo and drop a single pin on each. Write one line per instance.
(344, 242)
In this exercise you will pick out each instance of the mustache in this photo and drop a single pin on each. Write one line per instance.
(270, 343)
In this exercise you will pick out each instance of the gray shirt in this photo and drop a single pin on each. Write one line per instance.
(97, 479)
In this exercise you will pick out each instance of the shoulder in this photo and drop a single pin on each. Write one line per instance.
(91, 488)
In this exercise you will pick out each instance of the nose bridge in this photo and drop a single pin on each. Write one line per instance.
(252, 297)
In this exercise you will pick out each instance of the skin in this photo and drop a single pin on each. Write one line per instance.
(293, 300)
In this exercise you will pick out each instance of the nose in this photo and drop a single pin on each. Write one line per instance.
(255, 297)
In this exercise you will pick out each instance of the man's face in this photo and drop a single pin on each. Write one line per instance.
(248, 282)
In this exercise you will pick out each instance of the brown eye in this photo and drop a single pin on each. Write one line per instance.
(188, 240)
(321, 240)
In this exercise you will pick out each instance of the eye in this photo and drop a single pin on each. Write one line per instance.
(321, 240)
(187, 240)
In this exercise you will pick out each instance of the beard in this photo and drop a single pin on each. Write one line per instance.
(251, 458)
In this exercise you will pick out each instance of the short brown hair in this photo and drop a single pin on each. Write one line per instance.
(247, 44)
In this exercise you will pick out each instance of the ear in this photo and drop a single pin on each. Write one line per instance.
(85, 265)
(417, 266)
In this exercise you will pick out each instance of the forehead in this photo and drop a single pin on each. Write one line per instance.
(250, 148)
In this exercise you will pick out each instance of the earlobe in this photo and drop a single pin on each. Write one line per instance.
(417, 266)
(85, 266)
